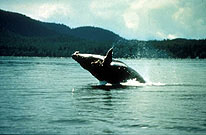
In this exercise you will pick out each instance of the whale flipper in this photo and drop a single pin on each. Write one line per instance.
(108, 58)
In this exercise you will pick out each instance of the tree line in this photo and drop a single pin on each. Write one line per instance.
(62, 46)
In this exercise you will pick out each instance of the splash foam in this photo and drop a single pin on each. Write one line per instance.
(136, 83)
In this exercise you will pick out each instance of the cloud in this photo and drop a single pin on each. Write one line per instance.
(146, 17)
(48, 10)
(102, 9)
(190, 18)
(173, 18)
(162, 35)
(131, 20)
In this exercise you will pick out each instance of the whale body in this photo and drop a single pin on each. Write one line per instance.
(106, 69)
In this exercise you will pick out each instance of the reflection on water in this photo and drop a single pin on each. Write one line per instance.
(55, 95)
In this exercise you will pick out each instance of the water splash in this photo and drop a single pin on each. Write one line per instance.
(135, 83)
(130, 83)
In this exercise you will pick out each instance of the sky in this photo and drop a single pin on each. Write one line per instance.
(131, 19)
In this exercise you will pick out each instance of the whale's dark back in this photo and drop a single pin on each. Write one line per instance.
(115, 73)
(120, 72)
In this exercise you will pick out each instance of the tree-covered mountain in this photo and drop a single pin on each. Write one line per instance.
(24, 36)
(25, 26)
(22, 25)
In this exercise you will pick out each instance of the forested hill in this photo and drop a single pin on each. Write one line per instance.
(24, 26)
(24, 36)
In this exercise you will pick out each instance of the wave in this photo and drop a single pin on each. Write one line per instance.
(134, 83)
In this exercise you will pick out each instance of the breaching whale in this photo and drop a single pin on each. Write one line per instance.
(106, 69)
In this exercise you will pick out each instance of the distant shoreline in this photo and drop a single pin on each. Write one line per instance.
(114, 57)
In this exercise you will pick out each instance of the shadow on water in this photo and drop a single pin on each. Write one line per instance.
(108, 87)
(120, 86)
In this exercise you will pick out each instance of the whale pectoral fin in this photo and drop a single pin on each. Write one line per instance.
(98, 62)
(108, 57)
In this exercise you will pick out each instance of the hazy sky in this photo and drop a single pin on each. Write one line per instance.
(131, 19)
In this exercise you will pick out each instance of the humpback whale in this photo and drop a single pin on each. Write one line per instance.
(106, 69)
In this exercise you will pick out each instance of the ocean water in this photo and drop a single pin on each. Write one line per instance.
(57, 96)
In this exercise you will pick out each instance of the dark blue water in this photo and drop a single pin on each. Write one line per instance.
(57, 96)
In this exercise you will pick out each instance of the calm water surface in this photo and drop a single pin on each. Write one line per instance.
(55, 95)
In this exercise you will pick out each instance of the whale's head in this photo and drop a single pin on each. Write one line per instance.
(88, 61)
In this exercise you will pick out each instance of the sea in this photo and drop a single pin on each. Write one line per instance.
(42, 95)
